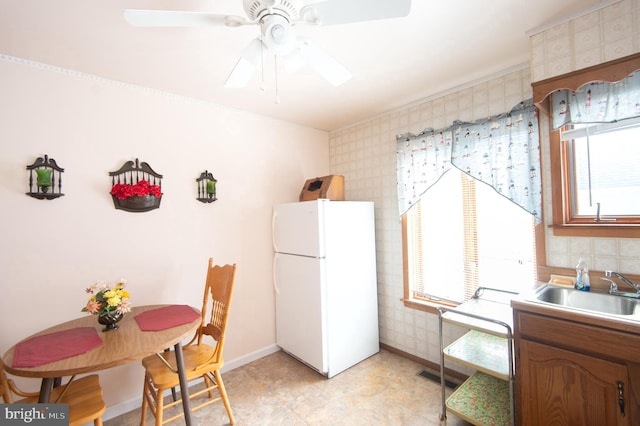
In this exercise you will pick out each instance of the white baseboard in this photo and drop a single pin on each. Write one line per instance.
(133, 404)
(250, 357)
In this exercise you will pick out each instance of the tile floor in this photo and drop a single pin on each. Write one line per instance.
(278, 390)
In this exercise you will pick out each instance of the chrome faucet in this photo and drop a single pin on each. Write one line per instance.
(613, 289)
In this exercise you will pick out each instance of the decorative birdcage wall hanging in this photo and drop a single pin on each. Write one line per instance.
(206, 187)
(136, 187)
(45, 179)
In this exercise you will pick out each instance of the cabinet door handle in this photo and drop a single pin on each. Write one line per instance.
(621, 397)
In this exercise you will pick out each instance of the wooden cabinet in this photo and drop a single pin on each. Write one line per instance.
(574, 373)
(561, 387)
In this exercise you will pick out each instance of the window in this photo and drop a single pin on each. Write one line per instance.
(462, 234)
(575, 214)
(602, 173)
(576, 165)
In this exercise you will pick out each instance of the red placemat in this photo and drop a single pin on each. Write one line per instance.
(166, 317)
(52, 347)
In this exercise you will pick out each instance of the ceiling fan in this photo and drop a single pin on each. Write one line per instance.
(276, 19)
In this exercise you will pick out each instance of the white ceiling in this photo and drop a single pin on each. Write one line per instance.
(440, 45)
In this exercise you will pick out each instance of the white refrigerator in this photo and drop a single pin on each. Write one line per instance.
(325, 283)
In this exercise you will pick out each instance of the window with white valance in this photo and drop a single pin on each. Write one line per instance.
(595, 129)
(502, 151)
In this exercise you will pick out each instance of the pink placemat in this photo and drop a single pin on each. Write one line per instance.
(166, 317)
(52, 347)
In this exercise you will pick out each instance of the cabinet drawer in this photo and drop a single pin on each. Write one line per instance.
(576, 336)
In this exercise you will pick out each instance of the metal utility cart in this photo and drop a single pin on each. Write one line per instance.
(487, 397)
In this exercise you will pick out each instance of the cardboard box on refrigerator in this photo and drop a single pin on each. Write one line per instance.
(330, 187)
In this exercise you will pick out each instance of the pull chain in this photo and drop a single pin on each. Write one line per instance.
(276, 74)
(261, 65)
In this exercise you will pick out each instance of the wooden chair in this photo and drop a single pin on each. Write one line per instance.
(84, 397)
(201, 360)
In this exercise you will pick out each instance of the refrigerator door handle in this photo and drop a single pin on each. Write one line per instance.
(275, 274)
(273, 232)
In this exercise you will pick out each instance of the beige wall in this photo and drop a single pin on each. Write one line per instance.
(365, 154)
(53, 250)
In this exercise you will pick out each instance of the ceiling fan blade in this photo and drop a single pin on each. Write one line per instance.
(334, 12)
(174, 18)
(246, 65)
(293, 62)
(323, 64)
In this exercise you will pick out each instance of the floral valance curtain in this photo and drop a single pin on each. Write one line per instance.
(502, 151)
(597, 102)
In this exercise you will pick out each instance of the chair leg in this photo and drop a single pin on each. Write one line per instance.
(159, 407)
(143, 415)
(173, 390)
(223, 394)
(97, 422)
(208, 384)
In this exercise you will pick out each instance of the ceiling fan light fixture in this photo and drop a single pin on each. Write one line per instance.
(278, 34)
(276, 19)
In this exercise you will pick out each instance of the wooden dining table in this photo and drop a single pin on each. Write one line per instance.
(121, 346)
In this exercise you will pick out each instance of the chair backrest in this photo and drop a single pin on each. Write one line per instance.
(215, 303)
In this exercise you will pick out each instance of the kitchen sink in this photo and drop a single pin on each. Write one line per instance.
(595, 302)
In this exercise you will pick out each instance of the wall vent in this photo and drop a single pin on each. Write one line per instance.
(436, 378)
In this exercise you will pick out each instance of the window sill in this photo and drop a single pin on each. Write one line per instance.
(610, 231)
(423, 305)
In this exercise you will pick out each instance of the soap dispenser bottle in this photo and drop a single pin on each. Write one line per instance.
(582, 276)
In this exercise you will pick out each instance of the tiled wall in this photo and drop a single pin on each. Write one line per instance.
(596, 37)
(365, 154)
(600, 36)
